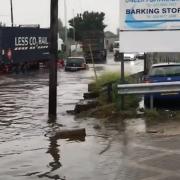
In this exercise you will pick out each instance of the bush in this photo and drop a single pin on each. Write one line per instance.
(104, 79)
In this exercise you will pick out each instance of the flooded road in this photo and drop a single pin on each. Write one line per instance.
(27, 149)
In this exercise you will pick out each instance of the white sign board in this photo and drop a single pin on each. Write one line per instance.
(149, 14)
(150, 41)
(149, 26)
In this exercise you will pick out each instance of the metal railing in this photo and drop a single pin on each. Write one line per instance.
(108, 88)
(149, 88)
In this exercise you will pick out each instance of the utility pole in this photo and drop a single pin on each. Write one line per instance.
(12, 19)
(74, 30)
(53, 60)
(65, 19)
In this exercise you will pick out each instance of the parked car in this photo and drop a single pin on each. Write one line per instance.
(166, 72)
(129, 57)
(140, 55)
(75, 64)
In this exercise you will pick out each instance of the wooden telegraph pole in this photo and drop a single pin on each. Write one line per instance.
(65, 35)
(53, 60)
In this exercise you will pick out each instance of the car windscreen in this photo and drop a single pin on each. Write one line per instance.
(75, 61)
(173, 70)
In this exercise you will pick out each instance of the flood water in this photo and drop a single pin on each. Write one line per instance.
(27, 149)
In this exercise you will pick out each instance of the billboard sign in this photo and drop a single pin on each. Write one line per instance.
(149, 15)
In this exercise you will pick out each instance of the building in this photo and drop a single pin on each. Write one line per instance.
(109, 40)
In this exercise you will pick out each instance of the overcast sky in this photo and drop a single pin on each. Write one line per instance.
(38, 11)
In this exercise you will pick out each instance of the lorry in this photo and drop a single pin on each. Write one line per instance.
(93, 41)
(20, 46)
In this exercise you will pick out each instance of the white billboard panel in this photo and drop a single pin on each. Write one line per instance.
(149, 14)
(150, 41)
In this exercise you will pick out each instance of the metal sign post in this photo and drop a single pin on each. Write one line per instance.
(122, 78)
(53, 61)
(122, 67)
(145, 64)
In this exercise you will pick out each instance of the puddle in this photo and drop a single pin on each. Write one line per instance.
(135, 126)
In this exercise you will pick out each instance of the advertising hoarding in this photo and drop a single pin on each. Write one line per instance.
(149, 26)
(150, 41)
(149, 14)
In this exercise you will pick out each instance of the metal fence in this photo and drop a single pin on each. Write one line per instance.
(149, 88)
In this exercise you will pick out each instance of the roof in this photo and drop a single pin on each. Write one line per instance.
(109, 34)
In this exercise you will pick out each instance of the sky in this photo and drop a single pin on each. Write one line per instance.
(38, 11)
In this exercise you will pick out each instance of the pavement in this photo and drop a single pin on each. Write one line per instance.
(150, 158)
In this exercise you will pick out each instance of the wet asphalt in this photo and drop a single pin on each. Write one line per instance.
(28, 151)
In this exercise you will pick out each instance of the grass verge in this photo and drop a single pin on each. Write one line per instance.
(110, 107)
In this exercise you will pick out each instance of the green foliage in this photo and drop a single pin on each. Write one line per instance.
(154, 116)
(61, 55)
(152, 113)
(88, 21)
(106, 78)
(131, 101)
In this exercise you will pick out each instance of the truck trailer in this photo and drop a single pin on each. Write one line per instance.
(93, 41)
(23, 46)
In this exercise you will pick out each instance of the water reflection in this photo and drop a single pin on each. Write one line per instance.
(54, 151)
(55, 164)
(135, 126)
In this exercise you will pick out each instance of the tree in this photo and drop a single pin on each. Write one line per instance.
(88, 21)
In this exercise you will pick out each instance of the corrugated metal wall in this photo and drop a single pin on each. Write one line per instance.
(154, 58)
